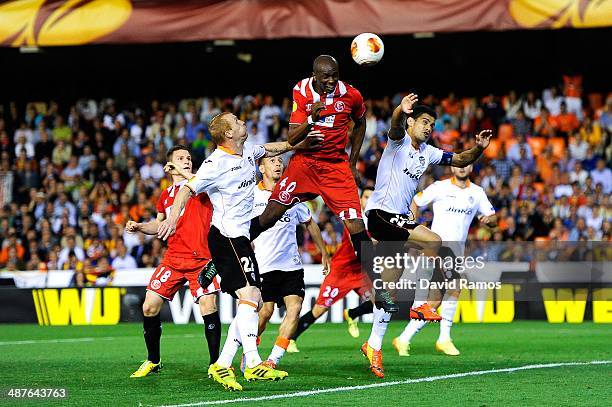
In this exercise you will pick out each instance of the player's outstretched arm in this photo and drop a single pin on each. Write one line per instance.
(468, 157)
(397, 131)
(149, 228)
(312, 141)
(298, 132)
(315, 233)
(168, 226)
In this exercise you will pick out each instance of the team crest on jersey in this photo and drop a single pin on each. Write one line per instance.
(471, 200)
(339, 106)
(284, 196)
(421, 160)
(156, 284)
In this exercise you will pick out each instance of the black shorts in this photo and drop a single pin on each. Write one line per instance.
(235, 261)
(385, 226)
(277, 284)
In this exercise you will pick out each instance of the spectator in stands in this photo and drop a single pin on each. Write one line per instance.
(123, 260)
(603, 176)
(71, 249)
(565, 122)
(578, 148)
(514, 154)
(151, 172)
(520, 124)
(552, 100)
(524, 162)
(544, 124)
(502, 165)
(578, 174)
(532, 106)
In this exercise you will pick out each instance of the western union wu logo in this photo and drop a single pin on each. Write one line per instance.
(71, 306)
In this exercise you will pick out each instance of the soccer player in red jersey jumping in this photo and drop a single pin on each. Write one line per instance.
(345, 276)
(186, 256)
(324, 103)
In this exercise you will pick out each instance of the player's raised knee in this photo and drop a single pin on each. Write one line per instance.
(150, 308)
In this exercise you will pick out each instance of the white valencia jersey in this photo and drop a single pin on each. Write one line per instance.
(277, 248)
(399, 172)
(454, 207)
(229, 180)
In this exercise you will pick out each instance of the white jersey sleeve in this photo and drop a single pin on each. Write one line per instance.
(258, 151)
(204, 178)
(428, 195)
(435, 154)
(303, 213)
(484, 205)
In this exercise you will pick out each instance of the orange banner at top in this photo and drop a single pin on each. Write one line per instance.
(78, 22)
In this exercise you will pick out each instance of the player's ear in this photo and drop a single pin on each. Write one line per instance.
(410, 122)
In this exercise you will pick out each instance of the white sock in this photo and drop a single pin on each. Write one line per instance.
(379, 327)
(231, 345)
(248, 320)
(413, 327)
(417, 304)
(448, 313)
(279, 349)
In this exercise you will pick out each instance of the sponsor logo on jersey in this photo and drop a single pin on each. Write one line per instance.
(339, 106)
(247, 182)
(416, 175)
(466, 211)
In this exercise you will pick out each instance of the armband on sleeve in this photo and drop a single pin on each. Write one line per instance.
(447, 158)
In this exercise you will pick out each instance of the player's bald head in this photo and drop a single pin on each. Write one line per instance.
(324, 63)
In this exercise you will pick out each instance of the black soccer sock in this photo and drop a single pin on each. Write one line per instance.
(212, 331)
(303, 324)
(364, 250)
(152, 335)
(361, 309)
(255, 229)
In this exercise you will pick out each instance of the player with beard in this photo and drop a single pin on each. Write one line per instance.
(406, 157)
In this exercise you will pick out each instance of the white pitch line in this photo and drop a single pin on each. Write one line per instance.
(395, 383)
(102, 338)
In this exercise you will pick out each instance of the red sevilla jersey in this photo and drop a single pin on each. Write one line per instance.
(342, 106)
(191, 237)
(344, 260)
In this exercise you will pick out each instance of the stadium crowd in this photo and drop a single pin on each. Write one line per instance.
(71, 176)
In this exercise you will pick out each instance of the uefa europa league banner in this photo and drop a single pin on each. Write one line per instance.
(78, 22)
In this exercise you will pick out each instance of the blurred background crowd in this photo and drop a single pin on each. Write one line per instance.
(72, 175)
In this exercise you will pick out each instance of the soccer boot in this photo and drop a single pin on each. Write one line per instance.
(224, 376)
(382, 300)
(402, 348)
(375, 359)
(425, 313)
(367, 351)
(292, 348)
(352, 325)
(147, 368)
(447, 347)
(207, 275)
(263, 372)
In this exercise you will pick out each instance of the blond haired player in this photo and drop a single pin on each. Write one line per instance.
(228, 176)
(456, 201)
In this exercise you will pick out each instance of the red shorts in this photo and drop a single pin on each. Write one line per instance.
(173, 272)
(337, 285)
(306, 178)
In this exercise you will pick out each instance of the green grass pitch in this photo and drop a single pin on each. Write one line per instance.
(94, 364)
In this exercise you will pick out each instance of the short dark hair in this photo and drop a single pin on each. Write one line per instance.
(177, 148)
(420, 110)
